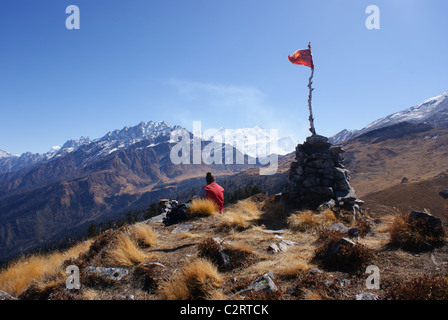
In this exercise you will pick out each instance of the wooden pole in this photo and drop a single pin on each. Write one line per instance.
(311, 119)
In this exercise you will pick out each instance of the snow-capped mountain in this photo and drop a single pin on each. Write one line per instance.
(142, 131)
(4, 154)
(95, 149)
(433, 112)
(255, 142)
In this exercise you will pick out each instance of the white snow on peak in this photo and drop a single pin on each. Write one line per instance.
(433, 111)
(4, 154)
(255, 142)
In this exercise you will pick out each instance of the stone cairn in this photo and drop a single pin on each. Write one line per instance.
(317, 177)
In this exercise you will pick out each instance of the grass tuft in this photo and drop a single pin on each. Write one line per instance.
(143, 234)
(198, 279)
(240, 216)
(37, 269)
(125, 252)
(202, 207)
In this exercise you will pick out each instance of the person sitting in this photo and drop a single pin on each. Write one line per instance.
(213, 191)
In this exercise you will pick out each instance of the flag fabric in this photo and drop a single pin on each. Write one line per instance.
(303, 57)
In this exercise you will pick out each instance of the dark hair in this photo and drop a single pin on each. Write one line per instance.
(209, 178)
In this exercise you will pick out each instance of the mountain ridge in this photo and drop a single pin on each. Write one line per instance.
(433, 111)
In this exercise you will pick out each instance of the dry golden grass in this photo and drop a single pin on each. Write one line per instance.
(125, 252)
(198, 279)
(90, 294)
(308, 221)
(314, 295)
(143, 234)
(32, 269)
(202, 207)
(240, 216)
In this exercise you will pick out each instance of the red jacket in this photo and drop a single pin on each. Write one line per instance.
(215, 193)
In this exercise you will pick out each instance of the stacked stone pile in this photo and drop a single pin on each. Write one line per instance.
(317, 176)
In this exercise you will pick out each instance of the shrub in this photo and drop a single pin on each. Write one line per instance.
(421, 288)
(317, 286)
(224, 255)
(202, 207)
(338, 253)
(414, 235)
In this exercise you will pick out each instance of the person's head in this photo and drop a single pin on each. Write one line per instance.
(209, 178)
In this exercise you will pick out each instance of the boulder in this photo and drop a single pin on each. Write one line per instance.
(366, 296)
(350, 232)
(431, 224)
(264, 283)
(109, 273)
(444, 193)
(183, 227)
(6, 296)
(281, 246)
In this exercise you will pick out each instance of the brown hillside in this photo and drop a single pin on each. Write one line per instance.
(423, 195)
(382, 159)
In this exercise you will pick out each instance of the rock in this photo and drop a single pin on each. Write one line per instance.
(339, 226)
(109, 273)
(281, 246)
(225, 259)
(158, 218)
(280, 231)
(184, 227)
(350, 232)
(433, 224)
(315, 271)
(326, 205)
(264, 283)
(148, 275)
(353, 232)
(317, 175)
(317, 140)
(366, 296)
(444, 193)
(123, 297)
(335, 248)
(6, 296)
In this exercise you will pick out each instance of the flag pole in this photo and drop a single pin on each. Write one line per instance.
(310, 82)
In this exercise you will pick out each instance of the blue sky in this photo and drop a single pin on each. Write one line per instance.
(221, 62)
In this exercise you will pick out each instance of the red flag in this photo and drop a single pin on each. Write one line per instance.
(303, 57)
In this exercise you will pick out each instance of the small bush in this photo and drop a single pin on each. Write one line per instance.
(337, 253)
(413, 235)
(224, 255)
(202, 207)
(198, 280)
(421, 288)
(317, 286)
